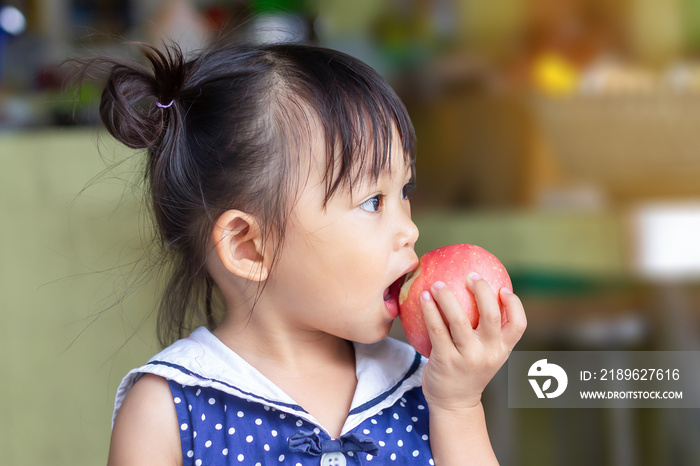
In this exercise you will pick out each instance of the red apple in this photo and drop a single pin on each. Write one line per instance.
(450, 265)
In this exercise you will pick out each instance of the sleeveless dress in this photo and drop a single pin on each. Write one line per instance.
(230, 414)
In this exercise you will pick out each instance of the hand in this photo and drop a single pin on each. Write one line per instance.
(463, 360)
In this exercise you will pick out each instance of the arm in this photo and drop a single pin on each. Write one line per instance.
(462, 362)
(146, 429)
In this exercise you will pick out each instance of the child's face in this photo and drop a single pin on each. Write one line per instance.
(336, 265)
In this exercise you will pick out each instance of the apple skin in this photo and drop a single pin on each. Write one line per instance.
(450, 265)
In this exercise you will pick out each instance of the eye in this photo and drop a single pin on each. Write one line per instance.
(373, 204)
(407, 191)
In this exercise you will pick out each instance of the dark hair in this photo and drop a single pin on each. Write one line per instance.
(239, 113)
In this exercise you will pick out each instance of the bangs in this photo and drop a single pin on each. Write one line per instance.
(359, 113)
(359, 134)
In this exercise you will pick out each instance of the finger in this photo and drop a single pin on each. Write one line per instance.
(438, 331)
(487, 303)
(515, 313)
(457, 319)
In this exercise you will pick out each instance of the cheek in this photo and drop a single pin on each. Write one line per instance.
(338, 258)
(304, 266)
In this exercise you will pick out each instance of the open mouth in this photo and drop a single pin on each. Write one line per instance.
(392, 291)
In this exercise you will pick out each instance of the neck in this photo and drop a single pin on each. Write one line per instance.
(273, 347)
(316, 369)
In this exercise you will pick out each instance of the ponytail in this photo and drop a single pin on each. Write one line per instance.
(142, 109)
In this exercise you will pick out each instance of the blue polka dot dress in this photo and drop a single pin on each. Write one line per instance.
(230, 414)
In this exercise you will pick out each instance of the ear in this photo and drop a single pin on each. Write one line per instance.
(238, 242)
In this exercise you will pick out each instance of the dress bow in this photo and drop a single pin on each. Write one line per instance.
(305, 441)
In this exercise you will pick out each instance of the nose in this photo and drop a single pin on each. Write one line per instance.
(407, 231)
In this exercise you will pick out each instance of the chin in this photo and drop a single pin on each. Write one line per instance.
(379, 334)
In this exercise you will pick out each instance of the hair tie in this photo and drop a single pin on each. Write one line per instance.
(164, 106)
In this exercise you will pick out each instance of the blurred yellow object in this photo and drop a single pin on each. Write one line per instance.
(555, 75)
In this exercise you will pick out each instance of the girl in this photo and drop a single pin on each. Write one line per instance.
(279, 178)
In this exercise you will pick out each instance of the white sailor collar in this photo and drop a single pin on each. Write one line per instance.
(385, 371)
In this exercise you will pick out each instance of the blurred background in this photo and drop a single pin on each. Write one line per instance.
(558, 134)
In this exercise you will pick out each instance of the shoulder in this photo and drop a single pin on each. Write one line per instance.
(172, 363)
(146, 427)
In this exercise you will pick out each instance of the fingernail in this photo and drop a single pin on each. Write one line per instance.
(425, 296)
(439, 285)
(506, 291)
(473, 276)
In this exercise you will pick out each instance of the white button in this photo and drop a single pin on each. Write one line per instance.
(333, 459)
